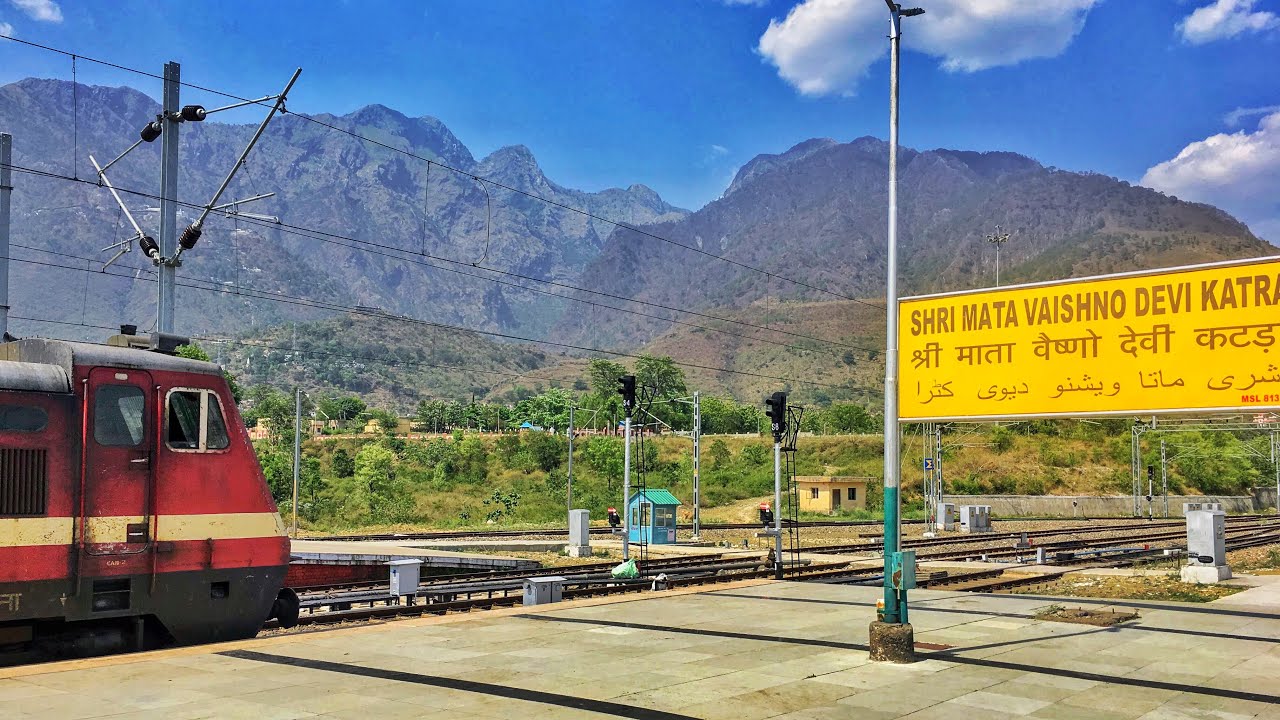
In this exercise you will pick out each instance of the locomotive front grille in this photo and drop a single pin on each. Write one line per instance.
(24, 482)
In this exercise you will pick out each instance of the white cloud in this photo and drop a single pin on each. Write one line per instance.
(1233, 118)
(42, 10)
(826, 46)
(1239, 173)
(719, 150)
(751, 3)
(6, 29)
(1225, 19)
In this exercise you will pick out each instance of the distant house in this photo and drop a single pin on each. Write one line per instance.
(373, 427)
(527, 426)
(831, 494)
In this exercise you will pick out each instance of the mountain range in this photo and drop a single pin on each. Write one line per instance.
(796, 240)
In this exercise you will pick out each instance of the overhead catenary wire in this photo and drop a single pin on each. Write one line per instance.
(358, 310)
(390, 251)
(459, 171)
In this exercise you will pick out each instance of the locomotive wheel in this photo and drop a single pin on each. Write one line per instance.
(286, 608)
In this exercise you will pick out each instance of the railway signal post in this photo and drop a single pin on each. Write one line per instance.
(776, 405)
(627, 389)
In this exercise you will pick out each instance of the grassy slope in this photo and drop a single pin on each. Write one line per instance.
(1032, 464)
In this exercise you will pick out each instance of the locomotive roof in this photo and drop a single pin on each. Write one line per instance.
(67, 354)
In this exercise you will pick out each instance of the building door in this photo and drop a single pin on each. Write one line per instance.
(835, 498)
(120, 448)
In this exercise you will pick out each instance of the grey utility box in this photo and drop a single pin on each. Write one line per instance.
(579, 534)
(543, 590)
(1207, 537)
(946, 516)
(579, 527)
(975, 518)
(406, 574)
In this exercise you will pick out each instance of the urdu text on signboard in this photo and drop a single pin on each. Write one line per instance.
(1191, 339)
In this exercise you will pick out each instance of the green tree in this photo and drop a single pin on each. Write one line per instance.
(264, 401)
(720, 454)
(377, 493)
(193, 351)
(604, 455)
(850, 418)
(344, 466)
(342, 409)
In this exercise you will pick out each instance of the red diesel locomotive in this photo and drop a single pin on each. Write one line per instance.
(133, 512)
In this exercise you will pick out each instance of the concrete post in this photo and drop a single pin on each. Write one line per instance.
(697, 465)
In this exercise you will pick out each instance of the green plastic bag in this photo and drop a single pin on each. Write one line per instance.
(626, 570)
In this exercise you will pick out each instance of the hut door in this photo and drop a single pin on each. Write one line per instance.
(120, 440)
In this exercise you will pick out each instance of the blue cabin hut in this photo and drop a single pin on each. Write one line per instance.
(653, 517)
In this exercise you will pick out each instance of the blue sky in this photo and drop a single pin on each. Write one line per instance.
(678, 94)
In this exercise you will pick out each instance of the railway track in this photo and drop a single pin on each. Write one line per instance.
(1243, 538)
(601, 530)
(481, 591)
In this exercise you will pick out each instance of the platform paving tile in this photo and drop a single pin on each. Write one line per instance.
(18, 690)
(229, 708)
(1001, 702)
(1126, 699)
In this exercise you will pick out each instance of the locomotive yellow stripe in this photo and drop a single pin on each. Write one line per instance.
(17, 532)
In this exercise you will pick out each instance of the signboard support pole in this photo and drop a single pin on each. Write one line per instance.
(1164, 477)
(1275, 463)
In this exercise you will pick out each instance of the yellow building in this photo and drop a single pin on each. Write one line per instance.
(831, 494)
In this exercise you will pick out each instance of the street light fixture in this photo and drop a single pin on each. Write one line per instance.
(998, 239)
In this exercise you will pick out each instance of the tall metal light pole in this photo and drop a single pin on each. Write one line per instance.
(998, 238)
(297, 453)
(697, 464)
(568, 491)
(895, 595)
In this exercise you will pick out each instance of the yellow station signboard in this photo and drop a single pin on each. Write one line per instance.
(1190, 339)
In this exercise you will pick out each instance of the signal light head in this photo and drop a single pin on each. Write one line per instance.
(776, 410)
(627, 389)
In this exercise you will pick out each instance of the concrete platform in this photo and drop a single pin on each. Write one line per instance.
(750, 650)
(381, 551)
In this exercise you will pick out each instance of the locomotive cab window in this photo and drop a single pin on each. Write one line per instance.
(195, 422)
(118, 415)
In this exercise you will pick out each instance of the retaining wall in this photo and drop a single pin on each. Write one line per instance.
(1097, 506)
(1264, 497)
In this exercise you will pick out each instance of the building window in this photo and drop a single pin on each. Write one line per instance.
(853, 493)
(22, 418)
(118, 415)
(813, 493)
(195, 422)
